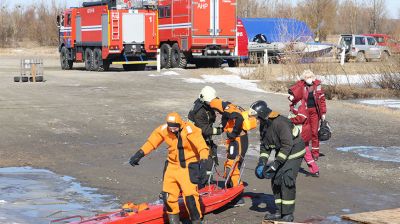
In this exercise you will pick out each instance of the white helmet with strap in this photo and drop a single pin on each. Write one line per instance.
(207, 94)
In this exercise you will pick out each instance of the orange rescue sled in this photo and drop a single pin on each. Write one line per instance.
(212, 197)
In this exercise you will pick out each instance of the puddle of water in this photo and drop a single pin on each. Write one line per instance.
(395, 104)
(387, 154)
(31, 195)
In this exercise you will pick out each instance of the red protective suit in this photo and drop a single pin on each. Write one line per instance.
(299, 117)
(315, 113)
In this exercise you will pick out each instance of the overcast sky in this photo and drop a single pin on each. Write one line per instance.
(393, 6)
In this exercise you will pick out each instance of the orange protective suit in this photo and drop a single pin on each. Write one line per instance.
(186, 148)
(237, 140)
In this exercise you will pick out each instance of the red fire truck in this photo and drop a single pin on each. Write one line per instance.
(202, 32)
(109, 32)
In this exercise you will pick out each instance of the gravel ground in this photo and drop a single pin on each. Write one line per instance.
(87, 125)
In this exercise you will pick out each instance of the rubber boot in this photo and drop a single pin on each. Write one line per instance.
(288, 218)
(173, 218)
(315, 174)
(239, 202)
(273, 217)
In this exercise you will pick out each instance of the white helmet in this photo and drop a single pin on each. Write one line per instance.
(207, 94)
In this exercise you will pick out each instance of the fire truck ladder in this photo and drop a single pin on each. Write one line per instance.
(115, 25)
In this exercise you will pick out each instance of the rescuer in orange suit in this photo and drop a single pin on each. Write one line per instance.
(236, 140)
(185, 167)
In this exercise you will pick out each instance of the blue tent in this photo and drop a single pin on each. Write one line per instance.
(277, 29)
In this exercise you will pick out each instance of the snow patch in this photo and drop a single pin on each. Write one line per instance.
(348, 79)
(234, 81)
(391, 103)
(2, 202)
(167, 73)
(341, 79)
(193, 80)
(387, 154)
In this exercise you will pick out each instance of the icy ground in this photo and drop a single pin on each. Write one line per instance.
(387, 154)
(33, 196)
(391, 103)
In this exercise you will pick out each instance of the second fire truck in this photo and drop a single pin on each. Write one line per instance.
(202, 32)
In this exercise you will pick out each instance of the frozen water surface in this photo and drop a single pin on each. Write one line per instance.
(388, 154)
(391, 103)
(29, 195)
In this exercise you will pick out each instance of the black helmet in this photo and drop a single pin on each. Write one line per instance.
(261, 109)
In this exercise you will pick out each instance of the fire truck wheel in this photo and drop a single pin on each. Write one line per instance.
(165, 55)
(176, 57)
(65, 63)
(16, 78)
(183, 62)
(89, 56)
(97, 59)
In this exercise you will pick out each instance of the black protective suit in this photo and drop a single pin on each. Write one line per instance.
(279, 134)
(204, 117)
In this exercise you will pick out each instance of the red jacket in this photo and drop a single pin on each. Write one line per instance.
(299, 116)
(318, 92)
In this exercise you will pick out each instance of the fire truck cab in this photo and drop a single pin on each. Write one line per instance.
(108, 32)
(202, 32)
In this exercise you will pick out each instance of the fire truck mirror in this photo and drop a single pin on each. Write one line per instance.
(58, 21)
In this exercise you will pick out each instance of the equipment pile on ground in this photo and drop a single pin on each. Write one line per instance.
(30, 70)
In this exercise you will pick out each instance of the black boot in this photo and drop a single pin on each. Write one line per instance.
(173, 218)
(196, 221)
(239, 202)
(273, 217)
(288, 218)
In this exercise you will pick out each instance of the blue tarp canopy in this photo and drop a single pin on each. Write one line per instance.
(277, 29)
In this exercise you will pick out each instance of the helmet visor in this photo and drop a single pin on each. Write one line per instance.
(252, 112)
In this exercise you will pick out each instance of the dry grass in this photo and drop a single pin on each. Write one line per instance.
(279, 78)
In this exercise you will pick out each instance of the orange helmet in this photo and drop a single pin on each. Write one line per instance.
(216, 104)
(174, 120)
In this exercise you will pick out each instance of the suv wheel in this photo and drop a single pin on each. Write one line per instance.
(361, 57)
(385, 56)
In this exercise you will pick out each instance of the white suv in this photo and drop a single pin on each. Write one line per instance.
(362, 48)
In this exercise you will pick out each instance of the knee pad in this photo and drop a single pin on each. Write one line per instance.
(194, 212)
(164, 196)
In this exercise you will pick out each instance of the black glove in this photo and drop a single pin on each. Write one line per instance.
(203, 172)
(218, 130)
(136, 158)
(231, 135)
(288, 179)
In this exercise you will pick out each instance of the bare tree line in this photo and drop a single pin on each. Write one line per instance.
(36, 21)
(327, 17)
